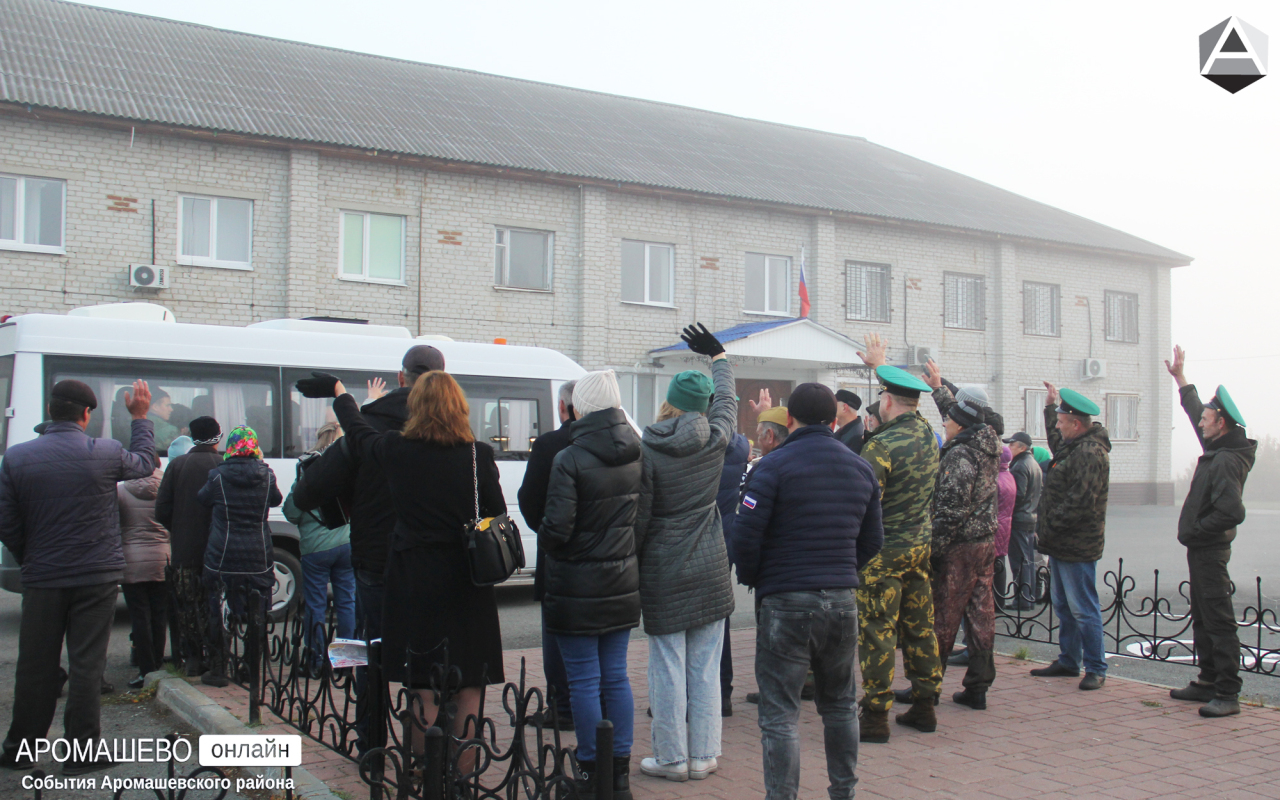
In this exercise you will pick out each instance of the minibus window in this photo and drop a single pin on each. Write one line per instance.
(306, 415)
(180, 392)
(508, 413)
(6, 383)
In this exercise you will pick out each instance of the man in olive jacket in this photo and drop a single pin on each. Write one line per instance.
(1207, 526)
(1073, 517)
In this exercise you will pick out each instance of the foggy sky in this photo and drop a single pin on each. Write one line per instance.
(1096, 108)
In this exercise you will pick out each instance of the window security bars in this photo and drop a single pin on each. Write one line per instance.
(1041, 309)
(1122, 317)
(867, 291)
(965, 301)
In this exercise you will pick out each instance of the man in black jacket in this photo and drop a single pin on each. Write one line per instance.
(1029, 479)
(1207, 526)
(533, 502)
(851, 430)
(188, 522)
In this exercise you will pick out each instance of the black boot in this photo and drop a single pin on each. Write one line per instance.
(587, 781)
(622, 778)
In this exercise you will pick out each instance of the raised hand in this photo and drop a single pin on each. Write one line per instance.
(320, 384)
(139, 400)
(377, 388)
(765, 403)
(1052, 399)
(874, 357)
(1175, 369)
(932, 374)
(701, 341)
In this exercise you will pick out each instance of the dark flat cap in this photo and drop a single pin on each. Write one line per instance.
(422, 358)
(72, 391)
(849, 398)
(812, 404)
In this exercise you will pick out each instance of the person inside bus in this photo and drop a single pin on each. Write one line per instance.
(161, 411)
(181, 419)
(438, 476)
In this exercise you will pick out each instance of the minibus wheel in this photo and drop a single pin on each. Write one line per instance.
(286, 594)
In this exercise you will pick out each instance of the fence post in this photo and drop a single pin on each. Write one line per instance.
(253, 654)
(604, 760)
(433, 763)
(375, 689)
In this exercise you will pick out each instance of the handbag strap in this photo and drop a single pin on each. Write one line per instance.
(475, 480)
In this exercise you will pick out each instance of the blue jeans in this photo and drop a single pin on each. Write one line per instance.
(684, 680)
(318, 571)
(597, 670)
(1075, 601)
(796, 632)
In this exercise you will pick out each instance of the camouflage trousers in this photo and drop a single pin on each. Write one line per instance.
(962, 577)
(895, 599)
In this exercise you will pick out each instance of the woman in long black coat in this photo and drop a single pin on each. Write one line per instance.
(431, 606)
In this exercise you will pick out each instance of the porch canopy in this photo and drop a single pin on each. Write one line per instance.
(795, 343)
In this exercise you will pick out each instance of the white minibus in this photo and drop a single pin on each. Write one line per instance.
(246, 376)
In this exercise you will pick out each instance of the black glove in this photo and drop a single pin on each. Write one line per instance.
(320, 384)
(701, 341)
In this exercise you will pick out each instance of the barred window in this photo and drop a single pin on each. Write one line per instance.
(965, 301)
(1122, 417)
(1041, 309)
(1033, 404)
(1122, 317)
(867, 287)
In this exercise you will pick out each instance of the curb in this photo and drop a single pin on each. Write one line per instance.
(193, 707)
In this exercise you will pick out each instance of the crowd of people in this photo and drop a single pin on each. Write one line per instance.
(860, 534)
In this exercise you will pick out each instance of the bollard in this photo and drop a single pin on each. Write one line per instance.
(375, 716)
(253, 654)
(433, 764)
(604, 760)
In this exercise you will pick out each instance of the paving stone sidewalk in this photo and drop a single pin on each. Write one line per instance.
(1039, 737)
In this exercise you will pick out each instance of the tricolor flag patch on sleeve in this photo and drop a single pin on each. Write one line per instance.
(749, 501)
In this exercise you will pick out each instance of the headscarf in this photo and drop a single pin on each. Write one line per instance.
(242, 442)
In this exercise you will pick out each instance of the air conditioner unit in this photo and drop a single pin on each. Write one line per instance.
(919, 356)
(148, 276)
(1093, 368)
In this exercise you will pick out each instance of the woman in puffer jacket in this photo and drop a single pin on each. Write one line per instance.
(238, 558)
(146, 554)
(685, 588)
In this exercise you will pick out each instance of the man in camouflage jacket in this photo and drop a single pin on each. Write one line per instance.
(894, 597)
(964, 527)
(1073, 516)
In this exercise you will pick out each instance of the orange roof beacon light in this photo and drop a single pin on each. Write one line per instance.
(499, 340)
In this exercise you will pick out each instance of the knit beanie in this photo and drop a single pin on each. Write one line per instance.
(1006, 456)
(971, 405)
(180, 446)
(690, 391)
(595, 391)
(812, 404)
(205, 430)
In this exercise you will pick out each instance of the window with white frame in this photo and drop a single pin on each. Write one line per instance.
(32, 213)
(1034, 401)
(867, 291)
(1122, 317)
(215, 232)
(1041, 309)
(768, 284)
(648, 273)
(372, 247)
(965, 299)
(522, 258)
(1122, 417)
(642, 395)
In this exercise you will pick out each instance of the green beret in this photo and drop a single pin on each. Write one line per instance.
(895, 380)
(690, 391)
(1223, 404)
(1072, 402)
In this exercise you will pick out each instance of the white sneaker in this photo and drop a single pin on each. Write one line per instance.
(672, 772)
(700, 768)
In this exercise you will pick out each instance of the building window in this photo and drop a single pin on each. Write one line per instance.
(32, 212)
(215, 232)
(372, 247)
(648, 273)
(642, 395)
(1122, 417)
(1041, 309)
(1034, 401)
(522, 259)
(867, 291)
(1122, 317)
(966, 301)
(768, 284)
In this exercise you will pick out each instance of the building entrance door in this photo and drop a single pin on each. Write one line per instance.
(749, 390)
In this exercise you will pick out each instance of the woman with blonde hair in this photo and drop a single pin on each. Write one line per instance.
(438, 612)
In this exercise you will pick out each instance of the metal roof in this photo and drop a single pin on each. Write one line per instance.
(749, 329)
(98, 61)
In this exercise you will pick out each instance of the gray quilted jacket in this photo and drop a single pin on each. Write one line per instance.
(684, 568)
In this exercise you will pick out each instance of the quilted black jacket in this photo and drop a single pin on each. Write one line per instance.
(240, 491)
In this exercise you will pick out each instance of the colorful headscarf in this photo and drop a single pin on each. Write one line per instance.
(242, 442)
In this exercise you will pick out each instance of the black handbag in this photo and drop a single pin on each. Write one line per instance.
(494, 549)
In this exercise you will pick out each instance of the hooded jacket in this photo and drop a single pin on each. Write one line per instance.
(1214, 504)
(736, 457)
(144, 540)
(684, 565)
(240, 491)
(58, 506)
(592, 585)
(965, 499)
(179, 510)
(1029, 479)
(1073, 505)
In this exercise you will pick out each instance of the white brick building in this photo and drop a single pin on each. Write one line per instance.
(488, 210)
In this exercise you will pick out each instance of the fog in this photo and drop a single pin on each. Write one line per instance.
(1097, 108)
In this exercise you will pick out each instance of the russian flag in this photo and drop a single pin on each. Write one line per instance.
(804, 288)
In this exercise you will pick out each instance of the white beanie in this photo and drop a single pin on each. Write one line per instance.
(596, 390)
(973, 400)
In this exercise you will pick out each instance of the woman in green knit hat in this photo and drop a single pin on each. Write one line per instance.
(685, 589)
